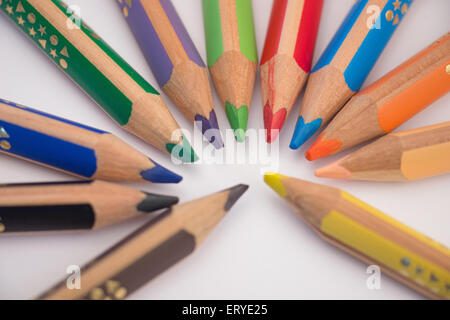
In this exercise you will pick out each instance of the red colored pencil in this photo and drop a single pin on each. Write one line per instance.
(287, 58)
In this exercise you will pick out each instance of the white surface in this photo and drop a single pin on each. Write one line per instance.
(261, 249)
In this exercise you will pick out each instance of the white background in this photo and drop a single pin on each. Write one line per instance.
(261, 249)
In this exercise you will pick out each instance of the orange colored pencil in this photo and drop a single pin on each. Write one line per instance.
(389, 102)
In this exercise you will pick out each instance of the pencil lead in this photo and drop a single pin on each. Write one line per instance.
(322, 148)
(153, 202)
(183, 151)
(238, 118)
(273, 122)
(273, 180)
(235, 193)
(210, 129)
(333, 170)
(159, 174)
(304, 131)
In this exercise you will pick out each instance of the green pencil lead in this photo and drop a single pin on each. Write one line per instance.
(238, 118)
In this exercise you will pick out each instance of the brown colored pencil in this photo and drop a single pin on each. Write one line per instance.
(150, 250)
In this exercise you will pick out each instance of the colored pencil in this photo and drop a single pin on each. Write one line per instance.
(287, 58)
(232, 57)
(74, 148)
(175, 61)
(150, 250)
(369, 235)
(86, 205)
(388, 102)
(113, 84)
(401, 156)
(346, 62)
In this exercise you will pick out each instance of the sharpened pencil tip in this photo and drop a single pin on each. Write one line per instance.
(322, 148)
(304, 131)
(210, 129)
(153, 202)
(235, 193)
(273, 180)
(333, 170)
(273, 122)
(159, 174)
(238, 118)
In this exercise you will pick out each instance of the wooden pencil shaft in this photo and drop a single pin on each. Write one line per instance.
(394, 98)
(288, 50)
(150, 250)
(68, 146)
(370, 235)
(286, 59)
(402, 156)
(72, 206)
(172, 55)
(231, 49)
(175, 61)
(346, 63)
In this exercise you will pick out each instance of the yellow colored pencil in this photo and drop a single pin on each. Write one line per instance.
(368, 234)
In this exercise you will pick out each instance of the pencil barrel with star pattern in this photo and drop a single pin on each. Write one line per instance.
(111, 82)
(73, 148)
(287, 58)
(388, 102)
(150, 250)
(73, 206)
(232, 57)
(369, 235)
(346, 63)
(400, 156)
(175, 61)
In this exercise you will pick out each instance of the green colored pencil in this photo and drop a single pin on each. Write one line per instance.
(232, 57)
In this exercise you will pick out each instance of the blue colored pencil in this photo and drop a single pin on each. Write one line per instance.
(346, 62)
(74, 148)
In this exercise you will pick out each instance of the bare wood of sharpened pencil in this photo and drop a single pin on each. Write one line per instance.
(116, 160)
(315, 202)
(281, 76)
(402, 156)
(193, 221)
(188, 85)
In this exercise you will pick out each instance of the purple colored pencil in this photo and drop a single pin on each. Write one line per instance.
(175, 61)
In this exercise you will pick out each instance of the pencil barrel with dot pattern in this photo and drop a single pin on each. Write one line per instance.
(100, 72)
(369, 235)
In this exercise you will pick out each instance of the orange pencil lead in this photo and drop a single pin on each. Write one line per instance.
(322, 148)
